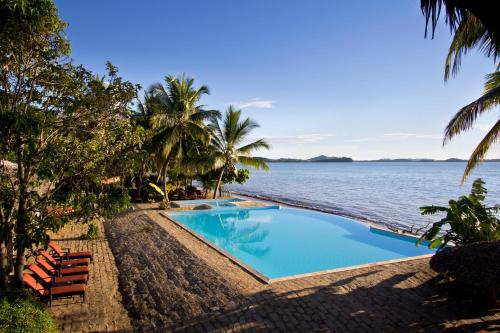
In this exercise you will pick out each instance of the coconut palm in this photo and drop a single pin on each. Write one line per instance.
(464, 119)
(179, 122)
(228, 136)
(471, 33)
(457, 11)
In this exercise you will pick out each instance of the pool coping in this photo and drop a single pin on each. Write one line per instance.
(262, 278)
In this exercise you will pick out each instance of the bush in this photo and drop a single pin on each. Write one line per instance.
(468, 219)
(475, 265)
(23, 314)
(92, 232)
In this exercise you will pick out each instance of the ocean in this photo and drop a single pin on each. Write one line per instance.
(382, 192)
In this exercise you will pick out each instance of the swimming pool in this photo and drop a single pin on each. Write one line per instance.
(280, 242)
(212, 202)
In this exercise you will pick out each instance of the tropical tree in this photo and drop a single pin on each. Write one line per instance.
(464, 119)
(65, 128)
(471, 29)
(179, 122)
(228, 136)
(458, 11)
(467, 220)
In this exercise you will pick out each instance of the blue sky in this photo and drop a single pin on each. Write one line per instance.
(340, 78)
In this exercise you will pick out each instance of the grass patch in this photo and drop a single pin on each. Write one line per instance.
(23, 313)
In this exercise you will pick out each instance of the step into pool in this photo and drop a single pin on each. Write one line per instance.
(281, 242)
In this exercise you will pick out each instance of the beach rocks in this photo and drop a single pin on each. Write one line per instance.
(202, 207)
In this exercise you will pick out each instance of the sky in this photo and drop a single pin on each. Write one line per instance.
(339, 78)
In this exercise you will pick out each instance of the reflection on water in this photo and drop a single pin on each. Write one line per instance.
(231, 230)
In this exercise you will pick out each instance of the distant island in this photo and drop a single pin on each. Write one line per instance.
(324, 158)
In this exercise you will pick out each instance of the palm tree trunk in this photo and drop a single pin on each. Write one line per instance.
(164, 172)
(218, 183)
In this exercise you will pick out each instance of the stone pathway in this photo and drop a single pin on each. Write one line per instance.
(174, 282)
(103, 309)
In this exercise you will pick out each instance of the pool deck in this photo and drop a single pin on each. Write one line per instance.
(172, 281)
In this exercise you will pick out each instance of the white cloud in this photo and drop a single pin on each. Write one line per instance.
(254, 103)
(300, 139)
(398, 136)
(413, 135)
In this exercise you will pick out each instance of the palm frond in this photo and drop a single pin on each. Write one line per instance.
(254, 146)
(469, 34)
(465, 118)
(482, 148)
(253, 162)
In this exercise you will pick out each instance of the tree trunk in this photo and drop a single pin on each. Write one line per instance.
(10, 251)
(3, 264)
(165, 193)
(218, 183)
(22, 216)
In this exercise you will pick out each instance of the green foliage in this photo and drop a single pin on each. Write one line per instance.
(25, 314)
(226, 148)
(169, 188)
(164, 205)
(67, 129)
(467, 219)
(92, 232)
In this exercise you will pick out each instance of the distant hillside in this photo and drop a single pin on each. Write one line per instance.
(321, 158)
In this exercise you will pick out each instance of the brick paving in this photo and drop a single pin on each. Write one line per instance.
(186, 286)
(103, 309)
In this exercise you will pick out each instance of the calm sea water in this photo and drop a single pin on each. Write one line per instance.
(383, 192)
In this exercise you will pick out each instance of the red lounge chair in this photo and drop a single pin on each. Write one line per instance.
(54, 292)
(53, 280)
(64, 271)
(67, 255)
(63, 263)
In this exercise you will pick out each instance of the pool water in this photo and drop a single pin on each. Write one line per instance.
(279, 242)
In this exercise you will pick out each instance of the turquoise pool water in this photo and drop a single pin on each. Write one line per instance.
(279, 242)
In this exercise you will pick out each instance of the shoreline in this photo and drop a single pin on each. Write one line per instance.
(396, 227)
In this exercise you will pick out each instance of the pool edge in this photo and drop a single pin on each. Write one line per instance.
(262, 278)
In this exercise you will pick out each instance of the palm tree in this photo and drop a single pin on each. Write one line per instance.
(464, 119)
(457, 11)
(228, 135)
(179, 122)
(469, 34)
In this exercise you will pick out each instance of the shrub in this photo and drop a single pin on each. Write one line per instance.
(23, 314)
(92, 232)
(475, 265)
(468, 219)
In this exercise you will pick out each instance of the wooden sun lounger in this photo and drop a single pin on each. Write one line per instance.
(67, 255)
(51, 293)
(61, 271)
(52, 280)
(63, 263)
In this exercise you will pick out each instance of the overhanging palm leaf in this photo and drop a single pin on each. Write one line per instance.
(482, 148)
(470, 33)
(466, 117)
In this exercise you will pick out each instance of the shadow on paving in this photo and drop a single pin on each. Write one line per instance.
(166, 287)
(163, 284)
(431, 307)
